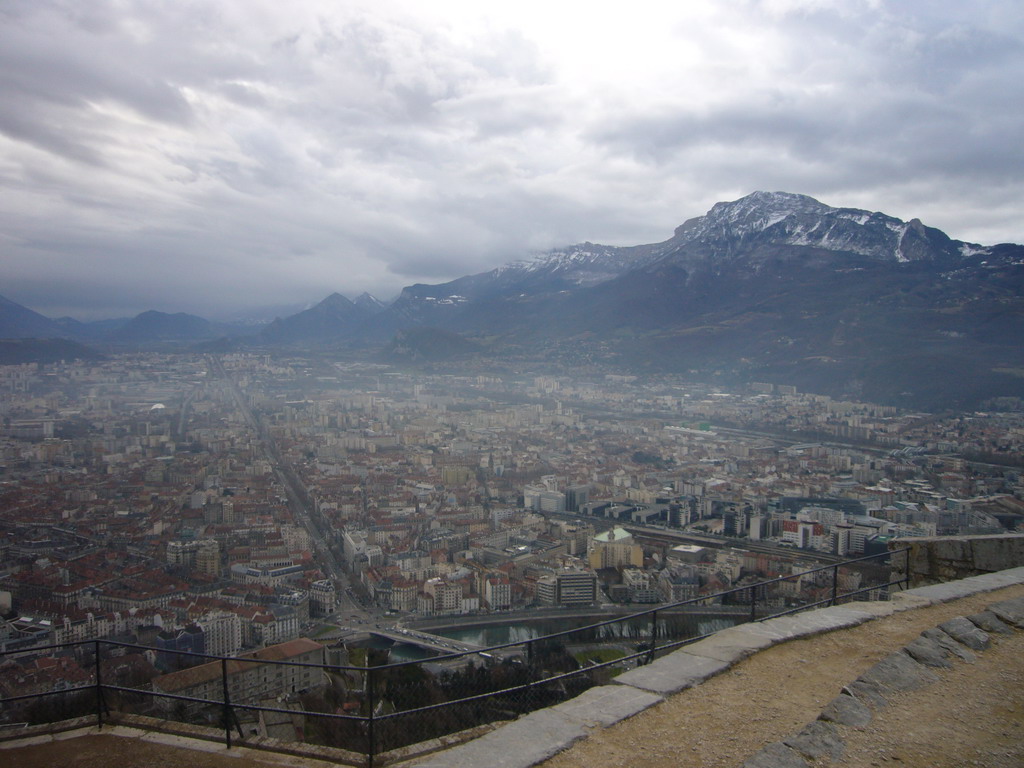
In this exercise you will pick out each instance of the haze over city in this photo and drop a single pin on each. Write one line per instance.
(215, 158)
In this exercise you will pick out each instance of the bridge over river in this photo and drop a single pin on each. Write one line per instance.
(425, 640)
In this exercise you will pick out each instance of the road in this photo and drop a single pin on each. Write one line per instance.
(299, 502)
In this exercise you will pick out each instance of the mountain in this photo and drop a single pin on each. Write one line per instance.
(468, 302)
(331, 320)
(370, 303)
(153, 326)
(18, 322)
(93, 331)
(428, 345)
(18, 351)
(773, 287)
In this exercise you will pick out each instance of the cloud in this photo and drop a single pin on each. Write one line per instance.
(208, 157)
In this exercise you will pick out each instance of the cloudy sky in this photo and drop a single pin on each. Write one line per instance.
(219, 155)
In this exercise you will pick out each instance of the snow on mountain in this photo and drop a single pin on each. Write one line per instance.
(783, 218)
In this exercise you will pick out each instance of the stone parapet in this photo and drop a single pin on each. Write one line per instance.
(937, 559)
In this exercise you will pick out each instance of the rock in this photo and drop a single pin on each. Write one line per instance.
(846, 710)
(928, 652)
(1010, 611)
(868, 693)
(949, 644)
(899, 672)
(776, 755)
(818, 739)
(989, 622)
(964, 631)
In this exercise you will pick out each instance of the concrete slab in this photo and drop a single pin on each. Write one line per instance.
(908, 601)
(730, 645)
(28, 741)
(999, 579)
(184, 742)
(524, 743)
(775, 630)
(608, 704)
(820, 620)
(76, 732)
(123, 731)
(673, 673)
(950, 590)
(879, 608)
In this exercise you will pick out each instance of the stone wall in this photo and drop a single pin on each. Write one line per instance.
(937, 559)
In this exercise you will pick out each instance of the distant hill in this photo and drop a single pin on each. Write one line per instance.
(18, 322)
(333, 319)
(419, 345)
(153, 326)
(43, 351)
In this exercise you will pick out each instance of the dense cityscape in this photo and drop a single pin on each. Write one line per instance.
(227, 504)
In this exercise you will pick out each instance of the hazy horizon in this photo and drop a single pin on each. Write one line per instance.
(185, 157)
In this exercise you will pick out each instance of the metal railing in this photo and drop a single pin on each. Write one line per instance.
(370, 709)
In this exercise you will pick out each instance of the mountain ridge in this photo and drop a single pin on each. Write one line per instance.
(774, 285)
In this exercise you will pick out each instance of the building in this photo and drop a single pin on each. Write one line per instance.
(447, 596)
(567, 588)
(640, 586)
(247, 678)
(498, 593)
(223, 632)
(191, 639)
(322, 598)
(613, 549)
(575, 497)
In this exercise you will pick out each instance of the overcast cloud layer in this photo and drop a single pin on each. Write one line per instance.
(213, 156)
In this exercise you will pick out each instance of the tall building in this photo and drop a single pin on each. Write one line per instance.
(575, 497)
(208, 558)
(498, 593)
(223, 632)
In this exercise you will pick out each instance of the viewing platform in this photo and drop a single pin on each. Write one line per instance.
(932, 677)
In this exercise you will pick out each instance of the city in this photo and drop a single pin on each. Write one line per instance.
(225, 504)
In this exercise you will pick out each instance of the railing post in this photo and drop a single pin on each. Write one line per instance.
(753, 602)
(227, 701)
(835, 583)
(99, 688)
(370, 699)
(654, 636)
